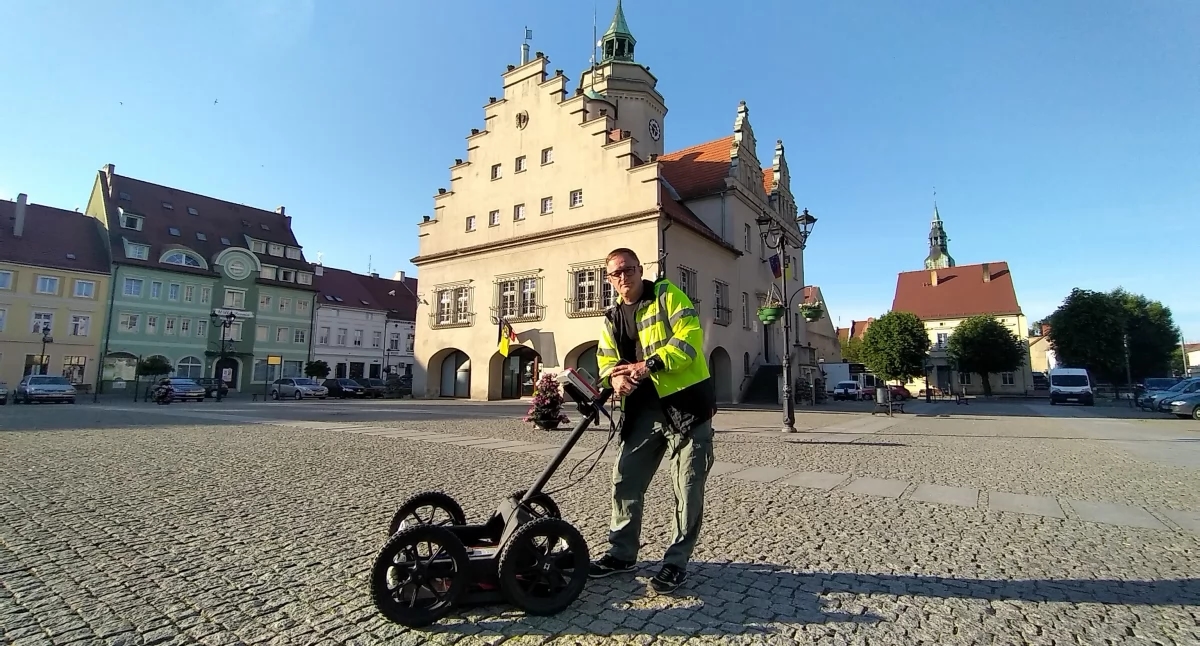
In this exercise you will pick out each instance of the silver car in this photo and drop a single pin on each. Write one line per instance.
(298, 388)
(3, 393)
(44, 388)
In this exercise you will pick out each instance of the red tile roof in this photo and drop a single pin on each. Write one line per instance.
(214, 218)
(699, 170)
(960, 292)
(48, 237)
(857, 329)
(339, 287)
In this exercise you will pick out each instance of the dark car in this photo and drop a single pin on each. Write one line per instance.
(186, 389)
(1185, 406)
(344, 387)
(1152, 385)
(212, 385)
(44, 388)
(375, 388)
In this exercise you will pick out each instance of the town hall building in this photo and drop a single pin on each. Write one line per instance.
(560, 174)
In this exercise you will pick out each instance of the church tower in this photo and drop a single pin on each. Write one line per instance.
(625, 88)
(939, 244)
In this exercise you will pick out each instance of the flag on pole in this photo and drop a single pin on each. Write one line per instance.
(776, 269)
(504, 337)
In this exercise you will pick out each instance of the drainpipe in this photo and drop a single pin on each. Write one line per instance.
(312, 322)
(662, 255)
(112, 294)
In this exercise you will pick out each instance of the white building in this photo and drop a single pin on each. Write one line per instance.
(364, 324)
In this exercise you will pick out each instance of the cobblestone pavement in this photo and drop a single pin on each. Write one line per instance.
(135, 524)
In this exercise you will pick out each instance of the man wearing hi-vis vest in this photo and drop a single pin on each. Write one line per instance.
(651, 354)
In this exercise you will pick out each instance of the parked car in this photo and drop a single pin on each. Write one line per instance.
(1185, 406)
(1153, 401)
(847, 390)
(1152, 385)
(298, 388)
(1071, 384)
(212, 385)
(183, 389)
(1162, 401)
(344, 387)
(375, 388)
(899, 393)
(43, 388)
(3, 393)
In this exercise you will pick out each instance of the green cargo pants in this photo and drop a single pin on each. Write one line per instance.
(648, 439)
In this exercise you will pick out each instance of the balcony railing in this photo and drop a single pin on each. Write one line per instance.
(455, 320)
(722, 315)
(519, 315)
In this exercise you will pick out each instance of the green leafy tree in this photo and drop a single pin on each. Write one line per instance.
(984, 346)
(316, 369)
(154, 366)
(1090, 330)
(895, 346)
(852, 349)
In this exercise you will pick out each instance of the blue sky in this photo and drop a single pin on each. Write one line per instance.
(1063, 137)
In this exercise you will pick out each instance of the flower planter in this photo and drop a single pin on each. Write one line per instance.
(546, 424)
(770, 313)
(811, 314)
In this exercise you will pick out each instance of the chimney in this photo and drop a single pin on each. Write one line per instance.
(109, 169)
(987, 273)
(399, 275)
(319, 269)
(374, 274)
(281, 210)
(933, 277)
(19, 225)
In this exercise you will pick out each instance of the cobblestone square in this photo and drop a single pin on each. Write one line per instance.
(256, 523)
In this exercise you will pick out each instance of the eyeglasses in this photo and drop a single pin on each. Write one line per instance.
(623, 271)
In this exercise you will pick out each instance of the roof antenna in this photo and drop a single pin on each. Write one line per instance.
(525, 45)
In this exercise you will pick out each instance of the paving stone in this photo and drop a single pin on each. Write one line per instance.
(760, 474)
(876, 487)
(506, 444)
(448, 439)
(1188, 520)
(943, 495)
(815, 480)
(531, 448)
(1114, 514)
(475, 441)
(722, 468)
(1024, 504)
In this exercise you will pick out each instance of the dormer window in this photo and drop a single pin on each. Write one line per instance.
(287, 275)
(181, 258)
(293, 253)
(137, 251)
(304, 278)
(275, 249)
(130, 221)
(258, 246)
(192, 211)
(268, 272)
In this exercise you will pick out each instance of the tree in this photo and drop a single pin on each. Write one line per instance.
(984, 346)
(1090, 329)
(316, 369)
(895, 346)
(852, 349)
(154, 366)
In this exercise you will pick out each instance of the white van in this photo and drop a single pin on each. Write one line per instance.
(1071, 384)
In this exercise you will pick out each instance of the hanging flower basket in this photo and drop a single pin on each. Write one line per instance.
(811, 312)
(770, 313)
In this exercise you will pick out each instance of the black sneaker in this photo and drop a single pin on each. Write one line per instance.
(668, 578)
(608, 565)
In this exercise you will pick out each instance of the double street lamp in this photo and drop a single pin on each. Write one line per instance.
(225, 321)
(779, 238)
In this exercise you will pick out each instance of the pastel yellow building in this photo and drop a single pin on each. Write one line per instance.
(54, 288)
(560, 174)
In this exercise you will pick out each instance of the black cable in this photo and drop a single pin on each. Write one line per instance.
(612, 431)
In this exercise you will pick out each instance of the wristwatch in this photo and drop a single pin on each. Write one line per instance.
(654, 364)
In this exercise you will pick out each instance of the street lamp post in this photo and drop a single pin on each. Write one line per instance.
(776, 237)
(46, 338)
(225, 322)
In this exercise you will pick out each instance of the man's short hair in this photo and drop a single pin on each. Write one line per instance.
(622, 252)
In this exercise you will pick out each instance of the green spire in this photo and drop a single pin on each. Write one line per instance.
(617, 43)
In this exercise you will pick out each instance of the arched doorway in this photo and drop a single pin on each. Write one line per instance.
(455, 375)
(583, 357)
(721, 369)
(226, 369)
(518, 372)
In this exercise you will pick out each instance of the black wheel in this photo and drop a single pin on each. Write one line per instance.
(542, 505)
(427, 508)
(544, 566)
(298, 396)
(419, 575)
(275, 395)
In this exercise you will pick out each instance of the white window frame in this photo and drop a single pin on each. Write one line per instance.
(470, 223)
(323, 336)
(36, 319)
(262, 333)
(201, 327)
(548, 205)
(152, 324)
(358, 338)
(129, 322)
(304, 278)
(3, 318)
(137, 251)
(300, 335)
(547, 156)
(285, 304)
(90, 286)
(275, 249)
(576, 199)
(174, 291)
(342, 334)
(1008, 379)
(258, 246)
(136, 220)
(156, 289)
(497, 171)
(518, 212)
(519, 164)
(293, 253)
(6, 280)
(53, 281)
(236, 294)
(185, 327)
(376, 339)
(281, 334)
(494, 218)
(81, 325)
(136, 283)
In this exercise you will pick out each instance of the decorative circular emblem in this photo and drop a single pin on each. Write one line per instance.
(655, 130)
(237, 269)
(522, 119)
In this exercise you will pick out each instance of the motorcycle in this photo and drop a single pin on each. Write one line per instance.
(163, 394)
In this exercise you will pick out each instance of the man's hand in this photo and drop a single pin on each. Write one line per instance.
(635, 371)
(623, 385)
